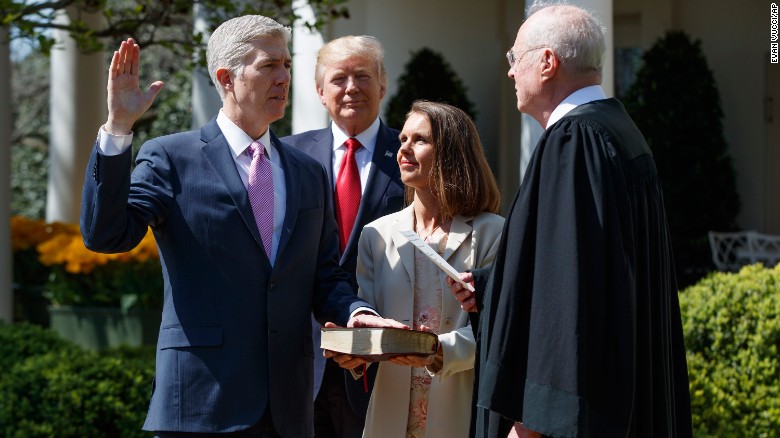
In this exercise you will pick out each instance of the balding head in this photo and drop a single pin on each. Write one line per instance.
(558, 50)
(574, 34)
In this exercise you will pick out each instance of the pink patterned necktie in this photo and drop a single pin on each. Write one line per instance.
(347, 192)
(261, 194)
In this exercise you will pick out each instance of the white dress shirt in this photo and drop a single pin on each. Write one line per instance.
(579, 97)
(363, 155)
(239, 142)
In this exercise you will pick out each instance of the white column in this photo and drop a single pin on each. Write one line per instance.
(77, 109)
(603, 11)
(531, 130)
(6, 261)
(530, 133)
(308, 112)
(205, 98)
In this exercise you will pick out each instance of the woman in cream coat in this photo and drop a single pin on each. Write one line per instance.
(452, 198)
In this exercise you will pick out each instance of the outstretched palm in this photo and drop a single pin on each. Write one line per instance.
(126, 101)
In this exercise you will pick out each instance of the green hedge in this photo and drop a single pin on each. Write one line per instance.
(52, 388)
(732, 335)
(22, 341)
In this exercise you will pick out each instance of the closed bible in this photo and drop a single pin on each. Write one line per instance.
(377, 344)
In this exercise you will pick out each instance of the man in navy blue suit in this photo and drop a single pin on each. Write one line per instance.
(351, 81)
(247, 241)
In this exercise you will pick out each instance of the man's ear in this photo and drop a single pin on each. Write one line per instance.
(225, 79)
(548, 64)
(321, 94)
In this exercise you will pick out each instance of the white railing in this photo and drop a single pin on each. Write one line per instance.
(732, 250)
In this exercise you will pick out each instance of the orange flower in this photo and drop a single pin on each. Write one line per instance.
(27, 233)
(73, 274)
(66, 247)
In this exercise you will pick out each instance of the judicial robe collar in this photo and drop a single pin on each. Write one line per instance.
(579, 97)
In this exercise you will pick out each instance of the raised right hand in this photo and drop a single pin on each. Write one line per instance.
(126, 102)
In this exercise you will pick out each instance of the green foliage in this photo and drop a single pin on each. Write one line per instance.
(29, 180)
(731, 324)
(21, 341)
(27, 269)
(136, 285)
(70, 392)
(427, 76)
(171, 112)
(29, 135)
(172, 109)
(675, 103)
(151, 22)
(171, 49)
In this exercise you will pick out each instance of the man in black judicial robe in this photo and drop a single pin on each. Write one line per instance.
(578, 323)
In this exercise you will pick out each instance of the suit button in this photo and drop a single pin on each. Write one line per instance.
(448, 322)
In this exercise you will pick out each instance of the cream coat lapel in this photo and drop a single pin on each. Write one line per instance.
(405, 248)
(459, 232)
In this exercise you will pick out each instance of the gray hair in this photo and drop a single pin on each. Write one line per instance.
(233, 40)
(362, 46)
(573, 33)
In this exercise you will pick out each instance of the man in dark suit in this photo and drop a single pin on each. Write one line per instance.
(578, 329)
(351, 81)
(247, 240)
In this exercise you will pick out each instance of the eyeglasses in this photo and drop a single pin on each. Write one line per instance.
(513, 59)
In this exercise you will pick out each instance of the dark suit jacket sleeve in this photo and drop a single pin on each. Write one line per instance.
(334, 299)
(115, 214)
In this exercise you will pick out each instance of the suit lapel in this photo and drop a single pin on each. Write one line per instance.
(385, 165)
(405, 248)
(321, 149)
(459, 231)
(217, 152)
(291, 182)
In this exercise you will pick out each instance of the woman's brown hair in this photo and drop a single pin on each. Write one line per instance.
(461, 179)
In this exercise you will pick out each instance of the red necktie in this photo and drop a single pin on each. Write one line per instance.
(347, 192)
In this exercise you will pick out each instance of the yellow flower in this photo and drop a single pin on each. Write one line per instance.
(28, 233)
(58, 259)
(66, 247)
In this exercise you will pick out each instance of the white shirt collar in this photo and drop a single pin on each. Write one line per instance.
(366, 138)
(579, 97)
(239, 141)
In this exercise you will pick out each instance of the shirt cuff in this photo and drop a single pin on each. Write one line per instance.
(363, 309)
(111, 144)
